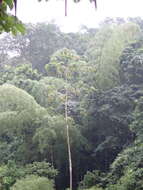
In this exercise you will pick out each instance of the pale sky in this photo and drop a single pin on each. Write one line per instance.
(82, 13)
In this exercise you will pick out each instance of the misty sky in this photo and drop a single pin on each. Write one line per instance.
(82, 13)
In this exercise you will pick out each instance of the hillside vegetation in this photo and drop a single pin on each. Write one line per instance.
(72, 98)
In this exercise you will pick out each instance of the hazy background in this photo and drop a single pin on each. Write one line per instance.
(82, 13)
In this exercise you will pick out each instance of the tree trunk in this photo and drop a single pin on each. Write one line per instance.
(67, 135)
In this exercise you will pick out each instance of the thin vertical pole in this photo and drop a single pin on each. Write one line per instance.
(67, 134)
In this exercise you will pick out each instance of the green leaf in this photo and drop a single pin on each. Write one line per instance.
(20, 27)
(9, 3)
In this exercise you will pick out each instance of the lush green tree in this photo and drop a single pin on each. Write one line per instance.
(33, 182)
(131, 63)
(110, 42)
(126, 171)
(51, 140)
(38, 44)
(19, 116)
(42, 169)
(48, 92)
(96, 43)
(9, 22)
(92, 179)
(64, 65)
(9, 174)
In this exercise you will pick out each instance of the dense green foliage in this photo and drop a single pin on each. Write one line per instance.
(101, 71)
(9, 22)
(33, 183)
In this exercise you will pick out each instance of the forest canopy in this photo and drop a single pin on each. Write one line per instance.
(91, 81)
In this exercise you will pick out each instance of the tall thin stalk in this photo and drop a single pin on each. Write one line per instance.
(67, 131)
